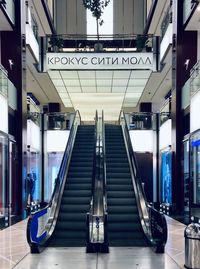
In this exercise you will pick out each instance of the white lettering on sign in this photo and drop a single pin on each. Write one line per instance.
(99, 61)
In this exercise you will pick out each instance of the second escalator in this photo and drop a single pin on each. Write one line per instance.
(124, 227)
(70, 228)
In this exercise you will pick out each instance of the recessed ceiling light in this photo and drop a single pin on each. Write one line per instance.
(198, 8)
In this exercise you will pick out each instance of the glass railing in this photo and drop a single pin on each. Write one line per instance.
(166, 21)
(89, 43)
(41, 224)
(164, 116)
(195, 78)
(58, 121)
(34, 117)
(9, 7)
(152, 221)
(3, 81)
(141, 120)
(188, 6)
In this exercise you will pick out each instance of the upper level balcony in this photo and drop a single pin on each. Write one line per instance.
(7, 15)
(102, 43)
(166, 33)
(191, 14)
(32, 34)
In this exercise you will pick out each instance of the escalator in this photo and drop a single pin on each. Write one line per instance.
(70, 228)
(124, 227)
(131, 220)
(62, 223)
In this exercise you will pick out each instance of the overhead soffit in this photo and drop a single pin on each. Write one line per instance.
(108, 90)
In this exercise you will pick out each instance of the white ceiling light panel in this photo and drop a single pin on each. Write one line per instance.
(104, 89)
(138, 89)
(60, 89)
(71, 82)
(104, 74)
(86, 74)
(104, 82)
(69, 74)
(121, 74)
(89, 89)
(54, 74)
(119, 89)
(120, 82)
(88, 82)
(74, 89)
(58, 82)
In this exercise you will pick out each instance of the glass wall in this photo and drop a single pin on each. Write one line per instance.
(195, 174)
(186, 177)
(3, 176)
(57, 129)
(33, 179)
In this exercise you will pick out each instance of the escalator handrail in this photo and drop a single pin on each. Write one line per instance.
(97, 214)
(54, 203)
(94, 160)
(104, 164)
(153, 222)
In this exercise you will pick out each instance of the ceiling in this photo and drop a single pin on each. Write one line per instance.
(108, 90)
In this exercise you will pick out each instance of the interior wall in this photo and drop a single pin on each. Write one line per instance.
(128, 16)
(73, 16)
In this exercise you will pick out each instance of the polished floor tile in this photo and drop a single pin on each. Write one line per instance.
(15, 253)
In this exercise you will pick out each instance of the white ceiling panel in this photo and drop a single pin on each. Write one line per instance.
(121, 74)
(104, 74)
(104, 82)
(140, 74)
(74, 89)
(104, 89)
(88, 82)
(69, 74)
(120, 82)
(135, 89)
(86, 74)
(54, 74)
(137, 82)
(61, 89)
(71, 82)
(63, 95)
(132, 95)
(89, 89)
(58, 82)
(119, 89)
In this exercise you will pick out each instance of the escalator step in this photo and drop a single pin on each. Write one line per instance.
(78, 187)
(74, 200)
(66, 216)
(120, 194)
(121, 201)
(123, 217)
(119, 209)
(120, 187)
(70, 225)
(77, 193)
(124, 227)
(74, 208)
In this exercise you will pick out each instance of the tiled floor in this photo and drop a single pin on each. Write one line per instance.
(14, 253)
